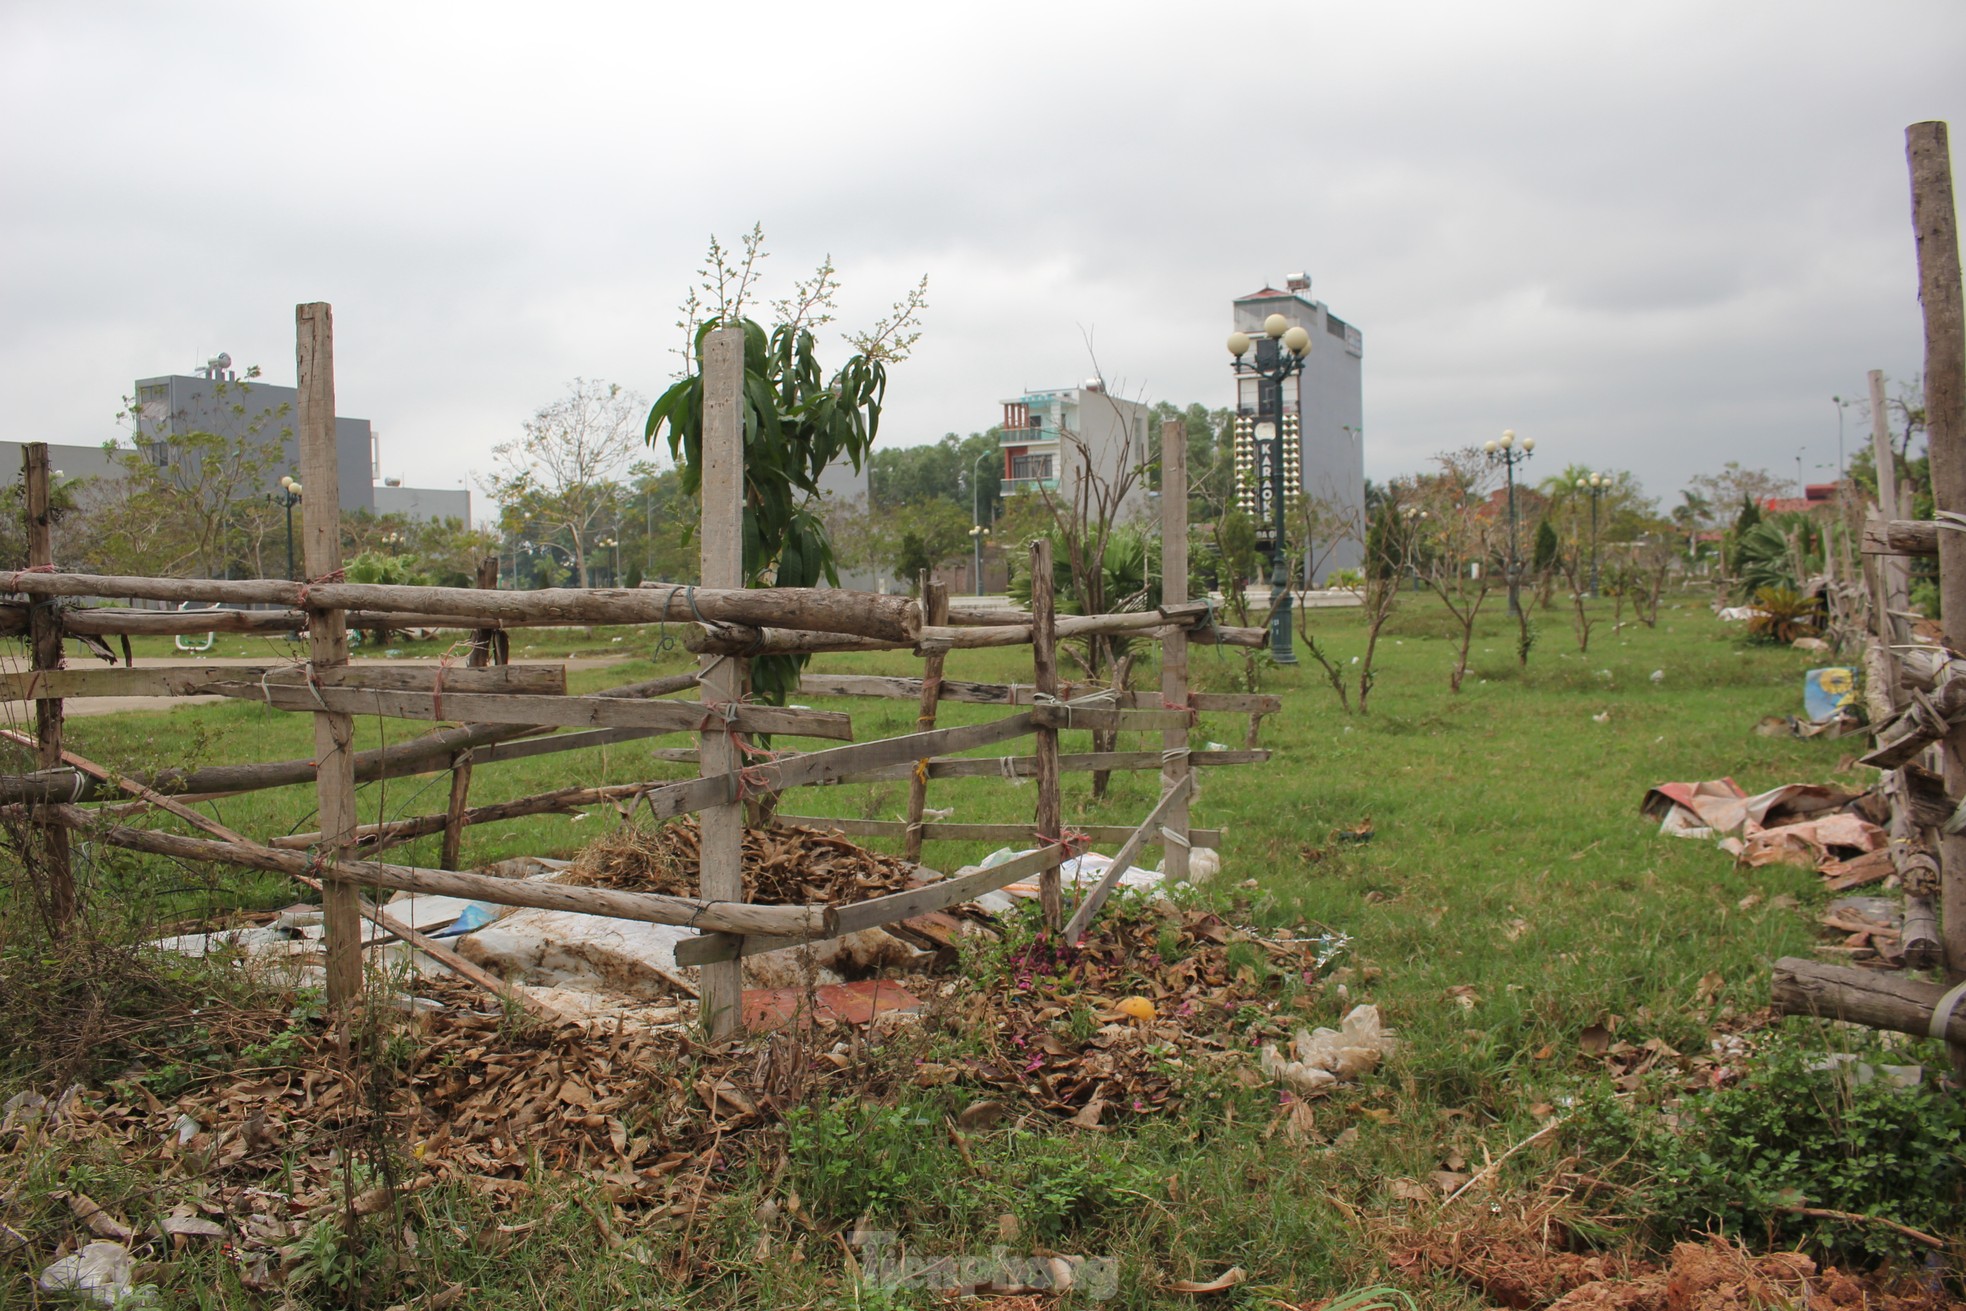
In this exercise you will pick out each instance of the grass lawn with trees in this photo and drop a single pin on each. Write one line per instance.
(1521, 927)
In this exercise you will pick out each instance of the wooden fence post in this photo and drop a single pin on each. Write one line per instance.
(44, 631)
(1935, 223)
(1174, 647)
(454, 813)
(488, 645)
(1893, 576)
(1044, 667)
(935, 609)
(334, 734)
(722, 677)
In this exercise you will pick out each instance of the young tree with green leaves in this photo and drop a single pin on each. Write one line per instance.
(797, 418)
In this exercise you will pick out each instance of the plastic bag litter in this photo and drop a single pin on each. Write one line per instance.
(1328, 1056)
(103, 1273)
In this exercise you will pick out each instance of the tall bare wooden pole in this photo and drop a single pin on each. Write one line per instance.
(1892, 572)
(935, 606)
(1174, 647)
(1044, 673)
(334, 734)
(1935, 222)
(722, 677)
(44, 632)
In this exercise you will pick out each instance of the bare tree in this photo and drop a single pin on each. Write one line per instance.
(1460, 545)
(1096, 493)
(1317, 526)
(560, 476)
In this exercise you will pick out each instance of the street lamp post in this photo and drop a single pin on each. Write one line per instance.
(978, 534)
(289, 496)
(1416, 521)
(1841, 406)
(1596, 484)
(1508, 452)
(1280, 353)
(614, 573)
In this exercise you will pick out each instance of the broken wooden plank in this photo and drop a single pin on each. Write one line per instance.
(1150, 826)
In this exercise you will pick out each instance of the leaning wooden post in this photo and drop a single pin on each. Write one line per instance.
(1174, 647)
(935, 607)
(1044, 666)
(460, 801)
(1936, 225)
(722, 677)
(44, 631)
(334, 734)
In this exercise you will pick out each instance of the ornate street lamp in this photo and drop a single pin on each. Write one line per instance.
(1597, 485)
(289, 496)
(612, 543)
(1508, 452)
(1270, 468)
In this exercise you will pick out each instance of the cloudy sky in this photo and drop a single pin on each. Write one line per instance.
(1656, 236)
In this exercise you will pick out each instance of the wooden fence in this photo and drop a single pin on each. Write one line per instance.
(505, 712)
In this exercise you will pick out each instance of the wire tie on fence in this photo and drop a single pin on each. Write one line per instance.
(921, 772)
(1048, 700)
(1168, 835)
(1175, 756)
(1942, 1013)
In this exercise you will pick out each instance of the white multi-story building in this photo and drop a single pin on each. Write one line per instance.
(1323, 410)
(1051, 437)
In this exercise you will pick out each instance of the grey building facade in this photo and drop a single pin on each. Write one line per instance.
(423, 504)
(216, 400)
(1325, 404)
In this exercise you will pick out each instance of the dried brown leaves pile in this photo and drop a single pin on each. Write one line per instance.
(1209, 1011)
(782, 865)
(464, 1096)
(1512, 1263)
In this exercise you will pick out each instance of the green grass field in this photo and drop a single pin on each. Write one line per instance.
(1510, 897)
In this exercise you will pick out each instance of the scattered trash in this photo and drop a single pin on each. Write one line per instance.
(1658, 676)
(1809, 644)
(1328, 1056)
(1826, 692)
(1204, 863)
(765, 1009)
(103, 1273)
(1357, 833)
(1604, 717)
(1223, 1283)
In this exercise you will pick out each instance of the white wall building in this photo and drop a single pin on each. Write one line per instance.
(1049, 438)
(1325, 406)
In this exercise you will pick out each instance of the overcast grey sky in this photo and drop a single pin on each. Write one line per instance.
(1656, 236)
